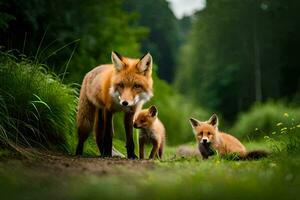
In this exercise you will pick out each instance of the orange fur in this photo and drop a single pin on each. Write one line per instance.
(123, 86)
(151, 131)
(209, 138)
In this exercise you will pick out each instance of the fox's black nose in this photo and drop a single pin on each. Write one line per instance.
(125, 103)
(204, 141)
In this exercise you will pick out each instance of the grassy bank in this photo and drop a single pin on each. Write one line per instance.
(37, 109)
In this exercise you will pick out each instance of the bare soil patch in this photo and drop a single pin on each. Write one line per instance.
(59, 164)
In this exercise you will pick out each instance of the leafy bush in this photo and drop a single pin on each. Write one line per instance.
(265, 120)
(36, 109)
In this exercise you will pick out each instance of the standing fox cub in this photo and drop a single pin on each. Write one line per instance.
(151, 131)
(125, 85)
(210, 139)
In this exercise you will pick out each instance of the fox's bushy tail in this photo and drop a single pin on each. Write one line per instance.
(255, 155)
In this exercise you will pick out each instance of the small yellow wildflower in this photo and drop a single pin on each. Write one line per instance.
(298, 126)
(286, 114)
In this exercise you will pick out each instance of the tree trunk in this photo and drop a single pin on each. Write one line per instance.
(257, 60)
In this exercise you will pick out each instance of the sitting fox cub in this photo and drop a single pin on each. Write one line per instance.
(151, 131)
(210, 139)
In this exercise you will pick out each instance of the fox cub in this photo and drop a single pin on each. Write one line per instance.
(210, 139)
(151, 131)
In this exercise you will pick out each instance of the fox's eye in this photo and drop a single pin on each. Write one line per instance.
(142, 121)
(137, 86)
(208, 133)
(120, 85)
(201, 133)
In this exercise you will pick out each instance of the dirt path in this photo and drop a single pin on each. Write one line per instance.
(49, 163)
(70, 165)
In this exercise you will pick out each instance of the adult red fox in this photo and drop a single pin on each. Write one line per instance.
(151, 131)
(210, 139)
(123, 86)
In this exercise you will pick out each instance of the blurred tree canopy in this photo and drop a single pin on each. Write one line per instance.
(225, 57)
(241, 52)
(56, 32)
(164, 36)
(81, 34)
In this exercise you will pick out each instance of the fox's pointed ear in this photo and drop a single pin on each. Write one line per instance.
(153, 111)
(194, 122)
(213, 120)
(145, 63)
(117, 60)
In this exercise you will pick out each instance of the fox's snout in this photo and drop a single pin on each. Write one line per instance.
(205, 141)
(126, 98)
(135, 125)
(124, 103)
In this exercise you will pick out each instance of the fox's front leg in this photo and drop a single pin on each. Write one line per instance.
(154, 150)
(128, 122)
(100, 130)
(108, 134)
(141, 147)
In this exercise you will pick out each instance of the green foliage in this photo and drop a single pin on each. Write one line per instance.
(164, 33)
(106, 28)
(286, 139)
(4, 20)
(77, 37)
(240, 52)
(269, 119)
(37, 110)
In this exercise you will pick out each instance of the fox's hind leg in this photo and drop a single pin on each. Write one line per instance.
(83, 134)
(154, 150)
(160, 151)
(85, 122)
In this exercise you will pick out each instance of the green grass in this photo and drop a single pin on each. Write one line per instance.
(36, 108)
(276, 177)
(266, 119)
